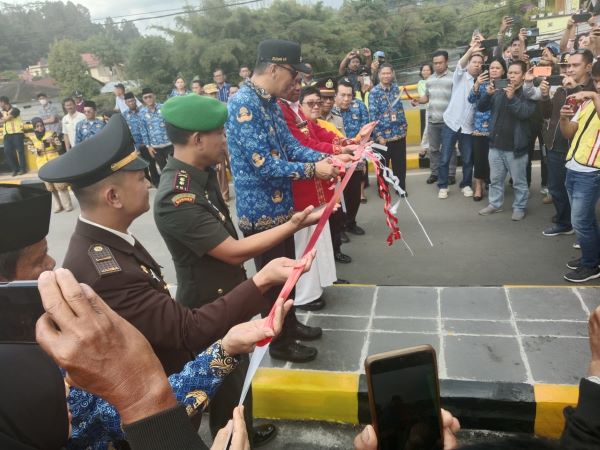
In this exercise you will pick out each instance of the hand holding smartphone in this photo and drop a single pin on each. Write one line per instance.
(404, 398)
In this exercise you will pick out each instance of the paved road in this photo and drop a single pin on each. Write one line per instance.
(469, 250)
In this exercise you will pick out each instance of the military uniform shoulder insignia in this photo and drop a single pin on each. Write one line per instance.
(103, 260)
(244, 115)
(178, 199)
(182, 181)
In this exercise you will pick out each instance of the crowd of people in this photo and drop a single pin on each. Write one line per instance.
(283, 136)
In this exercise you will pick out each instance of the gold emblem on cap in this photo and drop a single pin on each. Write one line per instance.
(143, 267)
(123, 162)
(98, 248)
(329, 84)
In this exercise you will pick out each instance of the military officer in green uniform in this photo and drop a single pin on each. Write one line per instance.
(195, 223)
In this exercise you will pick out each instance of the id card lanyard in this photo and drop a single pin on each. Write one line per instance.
(393, 115)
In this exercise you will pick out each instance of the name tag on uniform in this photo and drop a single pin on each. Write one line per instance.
(393, 117)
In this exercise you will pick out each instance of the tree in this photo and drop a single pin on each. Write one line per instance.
(150, 61)
(68, 69)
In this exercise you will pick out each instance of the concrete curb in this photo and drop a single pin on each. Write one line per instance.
(342, 397)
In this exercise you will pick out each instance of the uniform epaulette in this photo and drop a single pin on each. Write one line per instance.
(103, 260)
(181, 182)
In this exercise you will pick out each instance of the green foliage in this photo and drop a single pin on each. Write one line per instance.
(150, 60)
(407, 33)
(26, 32)
(68, 69)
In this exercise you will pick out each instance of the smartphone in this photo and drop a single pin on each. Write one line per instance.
(534, 53)
(485, 68)
(542, 71)
(501, 84)
(489, 43)
(404, 399)
(555, 80)
(20, 308)
(533, 32)
(581, 17)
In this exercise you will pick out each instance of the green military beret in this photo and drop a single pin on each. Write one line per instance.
(195, 112)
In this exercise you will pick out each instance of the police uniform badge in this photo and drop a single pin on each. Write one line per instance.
(244, 115)
(182, 181)
(103, 260)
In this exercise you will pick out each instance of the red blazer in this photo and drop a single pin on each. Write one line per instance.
(309, 192)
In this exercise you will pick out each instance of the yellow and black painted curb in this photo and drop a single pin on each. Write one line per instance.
(342, 397)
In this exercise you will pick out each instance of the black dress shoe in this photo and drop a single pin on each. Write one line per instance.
(344, 237)
(451, 181)
(263, 434)
(341, 281)
(315, 305)
(304, 332)
(355, 229)
(432, 179)
(293, 351)
(342, 258)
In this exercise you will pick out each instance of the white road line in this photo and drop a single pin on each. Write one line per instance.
(530, 379)
(586, 310)
(441, 359)
(365, 350)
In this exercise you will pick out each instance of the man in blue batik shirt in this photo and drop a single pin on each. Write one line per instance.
(385, 106)
(153, 129)
(133, 116)
(355, 115)
(90, 126)
(265, 158)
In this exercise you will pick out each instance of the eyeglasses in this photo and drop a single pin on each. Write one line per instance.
(292, 72)
(312, 104)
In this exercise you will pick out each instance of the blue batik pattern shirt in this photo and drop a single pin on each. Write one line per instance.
(153, 127)
(134, 120)
(96, 423)
(354, 117)
(87, 128)
(265, 158)
(481, 119)
(383, 109)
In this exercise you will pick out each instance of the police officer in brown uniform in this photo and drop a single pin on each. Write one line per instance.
(107, 177)
(194, 221)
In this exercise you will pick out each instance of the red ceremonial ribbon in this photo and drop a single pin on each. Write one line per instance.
(391, 219)
(295, 275)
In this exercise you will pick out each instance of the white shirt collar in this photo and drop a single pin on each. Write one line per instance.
(128, 237)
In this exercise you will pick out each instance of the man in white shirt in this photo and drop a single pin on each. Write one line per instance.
(70, 121)
(458, 121)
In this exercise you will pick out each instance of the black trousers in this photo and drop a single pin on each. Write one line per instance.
(336, 224)
(151, 172)
(481, 164)
(352, 197)
(284, 249)
(14, 145)
(543, 159)
(557, 173)
(396, 153)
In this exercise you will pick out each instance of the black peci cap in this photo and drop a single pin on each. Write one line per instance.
(278, 51)
(128, 95)
(110, 150)
(25, 212)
